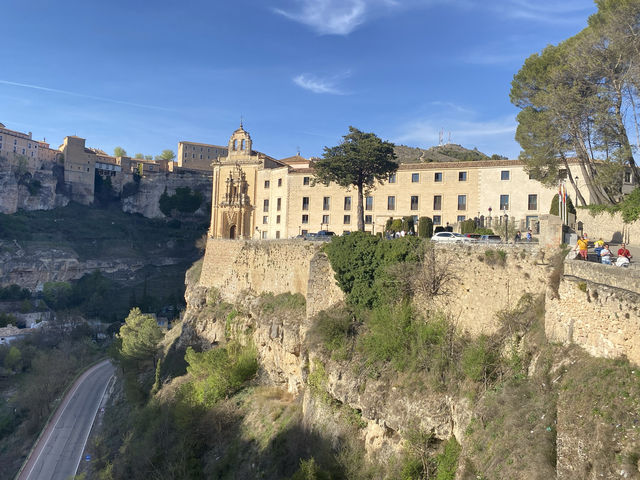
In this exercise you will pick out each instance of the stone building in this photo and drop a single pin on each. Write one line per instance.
(17, 145)
(257, 196)
(199, 156)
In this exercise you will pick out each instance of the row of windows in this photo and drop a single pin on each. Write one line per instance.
(437, 177)
(267, 183)
(532, 202)
(265, 205)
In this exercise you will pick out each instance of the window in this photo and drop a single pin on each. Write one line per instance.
(277, 218)
(462, 202)
(264, 235)
(279, 182)
(265, 220)
(23, 151)
(462, 176)
(437, 177)
(326, 203)
(325, 219)
(267, 183)
(278, 204)
(414, 202)
(200, 157)
(305, 180)
(347, 219)
(533, 202)
(504, 175)
(392, 178)
(437, 220)
(304, 232)
(437, 202)
(415, 177)
(391, 202)
(305, 203)
(504, 202)
(347, 203)
(368, 201)
(461, 218)
(305, 219)
(277, 232)
(627, 175)
(368, 219)
(265, 205)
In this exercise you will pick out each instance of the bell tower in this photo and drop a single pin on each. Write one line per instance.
(240, 143)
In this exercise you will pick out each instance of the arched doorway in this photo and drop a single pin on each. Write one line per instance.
(232, 232)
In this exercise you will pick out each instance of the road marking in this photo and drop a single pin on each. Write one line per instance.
(82, 377)
(91, 426)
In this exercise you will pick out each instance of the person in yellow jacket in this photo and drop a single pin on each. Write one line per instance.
(583, 246)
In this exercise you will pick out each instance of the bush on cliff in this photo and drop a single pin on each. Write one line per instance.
(360, 259)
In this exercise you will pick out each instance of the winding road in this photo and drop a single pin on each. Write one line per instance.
(59, 450)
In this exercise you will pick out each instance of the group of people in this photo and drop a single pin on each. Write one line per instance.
(528, 236)
(602, 250)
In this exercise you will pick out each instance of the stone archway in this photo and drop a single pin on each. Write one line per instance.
(232, 232)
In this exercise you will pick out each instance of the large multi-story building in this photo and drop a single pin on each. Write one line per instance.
(257, 196)
(17, 146)
(199, 156)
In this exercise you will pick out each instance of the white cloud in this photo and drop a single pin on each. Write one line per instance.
(319, 85)
(335, 17)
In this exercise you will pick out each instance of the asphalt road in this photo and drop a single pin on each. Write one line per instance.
(61, 446)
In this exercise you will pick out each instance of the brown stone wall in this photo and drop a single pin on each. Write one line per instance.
(602, 319)
(483, 289)
(609, 227)
(235, 266)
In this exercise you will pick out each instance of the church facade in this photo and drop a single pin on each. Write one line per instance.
(256, 196)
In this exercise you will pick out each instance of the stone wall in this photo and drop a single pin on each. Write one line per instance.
(483, 288)
(236, 266)
(609, 227)
(597, 307)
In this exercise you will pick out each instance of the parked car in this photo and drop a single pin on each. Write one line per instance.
(475, 236)
(325, 233)
(450, 237)
(490, 239)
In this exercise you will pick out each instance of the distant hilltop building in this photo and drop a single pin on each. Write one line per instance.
(257, 196)
(14, 145)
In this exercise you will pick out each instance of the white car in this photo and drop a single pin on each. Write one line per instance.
(450, 237)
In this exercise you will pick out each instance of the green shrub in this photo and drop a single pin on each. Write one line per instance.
(218, 372)
(425, 227)
(479, 360)
(183, 201)
(407, 224)
(447, 461)
(484, 231)
(333, 329)
(495, 257)
(14, 292)
(270, 303)
(468, 226)
(359, 259)
(630, 206)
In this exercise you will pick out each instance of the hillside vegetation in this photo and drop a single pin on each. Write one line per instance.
(442, 153)
(213, 410)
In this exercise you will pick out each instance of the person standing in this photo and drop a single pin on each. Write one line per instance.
(583, 247)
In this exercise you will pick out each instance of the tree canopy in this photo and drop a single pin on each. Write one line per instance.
(360, 161)
(140, 336)
(119, 152)
(577, 100)
(166, 155)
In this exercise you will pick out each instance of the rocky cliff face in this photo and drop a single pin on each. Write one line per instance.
(15, 196)
(146, 201)
(539, 422)
(31, 267)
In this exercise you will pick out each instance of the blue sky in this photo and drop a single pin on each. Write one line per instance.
(145, 75)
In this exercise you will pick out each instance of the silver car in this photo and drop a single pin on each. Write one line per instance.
(450, 237)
